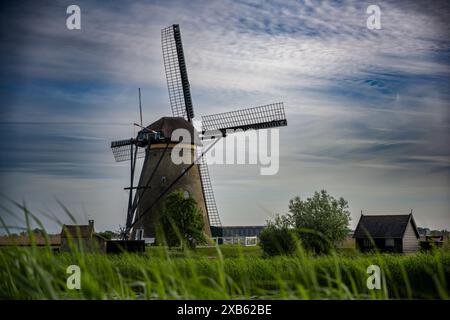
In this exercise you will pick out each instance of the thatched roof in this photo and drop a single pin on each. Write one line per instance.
(384, 226)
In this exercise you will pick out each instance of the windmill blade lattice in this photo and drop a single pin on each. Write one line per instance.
(262, 117)
(121, 150)
(176, 73)
(208, 193)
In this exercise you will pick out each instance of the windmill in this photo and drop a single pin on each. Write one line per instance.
(159, 175)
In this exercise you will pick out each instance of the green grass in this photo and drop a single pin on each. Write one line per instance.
(225, 273)
(227, 251)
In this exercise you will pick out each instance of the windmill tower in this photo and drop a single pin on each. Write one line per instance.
(160, 175)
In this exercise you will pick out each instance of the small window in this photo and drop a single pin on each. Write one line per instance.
(186, 194)
(163, 180)
(389, 243)
(367, 243)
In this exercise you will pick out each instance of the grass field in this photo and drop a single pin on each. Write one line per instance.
(228, 272)
(223, 272)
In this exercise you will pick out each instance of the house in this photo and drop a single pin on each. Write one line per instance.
(434, 239)
(82, 237)
(242, 231)
(387, 233)
(236, 234)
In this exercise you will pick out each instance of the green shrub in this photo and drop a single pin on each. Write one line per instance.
(278, 238)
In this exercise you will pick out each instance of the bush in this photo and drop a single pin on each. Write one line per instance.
(320, 221)
(278, 238)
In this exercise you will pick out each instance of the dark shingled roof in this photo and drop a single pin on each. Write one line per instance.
(168, 124)
(384, 226)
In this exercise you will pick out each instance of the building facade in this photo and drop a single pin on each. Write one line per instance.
(387, 233)
(242, 231)
(82, 238)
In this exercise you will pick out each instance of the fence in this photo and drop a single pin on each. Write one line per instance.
(244, 241)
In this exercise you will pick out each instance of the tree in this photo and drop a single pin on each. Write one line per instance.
(182, 221)
(108, 235)
(320, 221)
(39, 231)
(278, 237)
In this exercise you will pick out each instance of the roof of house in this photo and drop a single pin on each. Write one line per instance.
(24, 240)
(384, 226)
(77, 231)
(169, 124)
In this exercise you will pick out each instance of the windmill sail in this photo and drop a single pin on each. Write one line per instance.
(181, 103)
(176, 73)
(208, 193)
(262, 117)
(121, 150)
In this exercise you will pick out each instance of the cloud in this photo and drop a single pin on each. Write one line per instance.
(367, 110)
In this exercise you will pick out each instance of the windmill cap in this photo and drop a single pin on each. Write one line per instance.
(167, 125)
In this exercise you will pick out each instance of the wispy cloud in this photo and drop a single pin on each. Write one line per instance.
(369, 104)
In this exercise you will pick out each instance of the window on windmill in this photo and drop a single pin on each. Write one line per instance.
(389, 242)
(163, 180)
(186, 194)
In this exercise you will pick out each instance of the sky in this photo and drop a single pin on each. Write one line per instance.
(367, 110)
